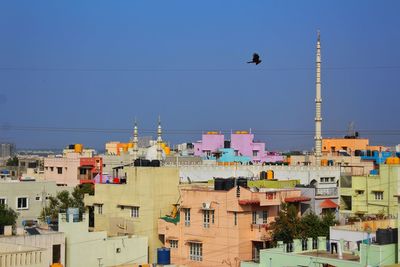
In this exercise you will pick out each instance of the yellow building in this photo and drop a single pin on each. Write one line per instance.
(134, 207)
(370, 194)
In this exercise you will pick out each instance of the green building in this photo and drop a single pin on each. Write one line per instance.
(369, 255)
(370, 195)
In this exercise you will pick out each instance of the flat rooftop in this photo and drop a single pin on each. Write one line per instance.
(325, 254)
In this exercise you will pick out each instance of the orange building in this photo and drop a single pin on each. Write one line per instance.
(219, 227)
(333, 145)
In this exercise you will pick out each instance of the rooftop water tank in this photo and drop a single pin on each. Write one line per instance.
(219, 184)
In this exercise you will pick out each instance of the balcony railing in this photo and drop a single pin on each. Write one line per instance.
(331, 191)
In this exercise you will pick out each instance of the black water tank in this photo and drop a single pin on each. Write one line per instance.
(263, 175)
(241, 182)
(145, 163)
(219, 184)
(71, 147)
(229, 183)
(393, 235)
(383, 236)
(227, 144)
(155, 163)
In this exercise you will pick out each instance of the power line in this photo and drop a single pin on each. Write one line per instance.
(371, 132)
(158, 69)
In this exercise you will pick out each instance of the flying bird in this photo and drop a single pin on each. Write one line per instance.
(256, 59)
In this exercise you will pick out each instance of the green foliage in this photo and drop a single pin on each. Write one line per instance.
(311, 226)
(65, 200)
(289, 226)
(12, 161)
(7, 216)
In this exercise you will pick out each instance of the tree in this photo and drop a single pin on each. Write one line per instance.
(328, 219)
(7, 216)
(311, 226)
(12, 161)
(287, 225)
(64, 200)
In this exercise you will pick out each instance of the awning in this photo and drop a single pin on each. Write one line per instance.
(328, 204)
(194, 241)
(297, 199)
(172, 238)
(249, 202)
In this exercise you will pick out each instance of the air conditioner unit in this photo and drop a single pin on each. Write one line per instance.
(206, 205)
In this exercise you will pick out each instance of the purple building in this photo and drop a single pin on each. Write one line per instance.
(241, 142)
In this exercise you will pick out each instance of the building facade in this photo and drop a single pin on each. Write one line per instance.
(84, 248)
(134, 207)
(370, 194)
(221, 227)
(28, 198)
(242, 143)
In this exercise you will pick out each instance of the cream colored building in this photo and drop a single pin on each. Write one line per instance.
(134, 207)
(84, 248)
(12, 255)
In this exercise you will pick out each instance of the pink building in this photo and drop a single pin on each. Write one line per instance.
(241, 142)
(72, 168)
(220, 228)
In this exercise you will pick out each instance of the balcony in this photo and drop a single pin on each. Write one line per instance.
(260, 232)
(326, 192)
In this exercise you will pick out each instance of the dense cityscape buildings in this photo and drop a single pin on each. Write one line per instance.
(217, 198)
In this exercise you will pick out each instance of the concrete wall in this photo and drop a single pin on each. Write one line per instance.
(152, 189)
(85, 248)
(370, 255)
(22, 256)
(306, 174)
(44, 241)
(35, 191)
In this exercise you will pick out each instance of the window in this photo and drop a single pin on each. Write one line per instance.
(270, 195)
(254, 217)
(38, 198)
(212, 217)
(100, 209)
(378, 195)
(327, 179)
(59, 170)
(187, 217)
(173, 243)
(265, 216)
(22, 203)
(236, 152)
(82, 171)
(51, 168)
(360, 192)
(206, 218)
(3, 201)
(255, 153)
(235, 217)
(196, 252)
(135, 212)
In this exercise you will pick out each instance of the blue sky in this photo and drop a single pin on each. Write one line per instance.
(98, 64)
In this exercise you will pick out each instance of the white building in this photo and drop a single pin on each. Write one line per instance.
(86, 248)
